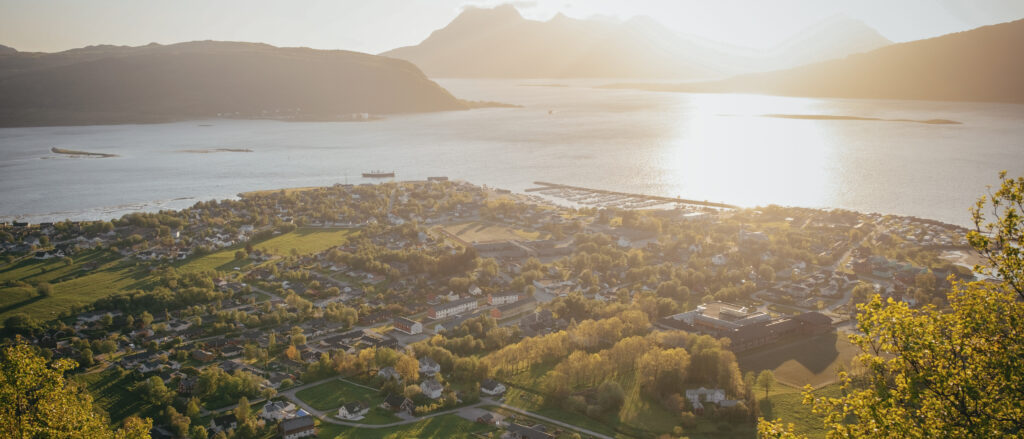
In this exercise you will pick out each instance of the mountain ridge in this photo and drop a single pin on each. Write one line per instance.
(981, 64)
(208, 79)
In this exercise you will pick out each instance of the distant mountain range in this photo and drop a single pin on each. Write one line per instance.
(156, 83)
(500, 43)
(983, 64)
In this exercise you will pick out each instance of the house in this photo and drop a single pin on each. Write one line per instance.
(491, 387)
(203, 356)
(452, 308)
(294, 428)
(187, 385)
(519, 431)
(231, 351)
(353, 410)
(698, 397)
(397, 403)
(277, 410)
(408, 326)
(431, 388)
(388, 373)
(487, 419)
(428, 366)
(225, 422)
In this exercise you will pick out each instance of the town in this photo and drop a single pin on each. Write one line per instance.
(442, 306)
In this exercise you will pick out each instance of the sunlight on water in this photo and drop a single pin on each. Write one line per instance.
(764, 158)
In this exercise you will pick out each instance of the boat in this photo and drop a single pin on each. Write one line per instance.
(378, 174)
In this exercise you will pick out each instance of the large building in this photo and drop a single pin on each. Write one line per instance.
(718, 318)
(745, 328)
(408, 326)
(452, 308)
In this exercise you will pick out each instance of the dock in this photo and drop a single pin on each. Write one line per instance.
(654, 198)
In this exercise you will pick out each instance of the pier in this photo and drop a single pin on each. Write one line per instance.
(547, 186)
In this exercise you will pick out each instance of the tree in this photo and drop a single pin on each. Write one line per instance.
(193, 408)
(766, 380)
(934, 373)
(36, 401)
(409, 368)
(44, 289)
(86, 357)
(242, 411)
(154, 391)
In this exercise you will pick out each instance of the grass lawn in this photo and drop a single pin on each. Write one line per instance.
(479, 231)
(786, 403)
(806, 360)
(333, 394)
(223, 260)
(440, 427)
(106, 279)
(112, 392)
(305, 241)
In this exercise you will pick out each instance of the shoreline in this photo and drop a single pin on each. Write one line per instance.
(157, 205)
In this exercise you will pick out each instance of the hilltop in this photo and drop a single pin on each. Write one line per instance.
(982, 64)
(206, 79)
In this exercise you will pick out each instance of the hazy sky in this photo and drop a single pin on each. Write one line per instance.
(378, 25)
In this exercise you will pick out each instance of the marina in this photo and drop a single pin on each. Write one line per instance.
(600, 198)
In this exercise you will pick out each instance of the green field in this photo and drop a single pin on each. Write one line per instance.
(112, 393)
(439, 427)
(786, 403)
(305, 241)
(71, 285)
(223, 260)
(333, 394)
(806, 360)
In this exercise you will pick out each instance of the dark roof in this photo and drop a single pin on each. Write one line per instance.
(528, 432)
(354, 406)
(225, 420)
(814, 318)
(488, 384)
(295, 424)
(396, 400)
(405, 321)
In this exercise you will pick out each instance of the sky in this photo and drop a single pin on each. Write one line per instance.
(375, 26)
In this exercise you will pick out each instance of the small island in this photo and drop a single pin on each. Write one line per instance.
(72, 152)
(833, 117)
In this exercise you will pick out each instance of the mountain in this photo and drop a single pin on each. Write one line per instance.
(832, 38)
(206, 79)
(500, 43)
(982, 64)
(7, 50)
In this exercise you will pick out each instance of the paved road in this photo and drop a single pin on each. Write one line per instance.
(466, 411)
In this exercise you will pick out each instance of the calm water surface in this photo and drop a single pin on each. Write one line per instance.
(708, 147)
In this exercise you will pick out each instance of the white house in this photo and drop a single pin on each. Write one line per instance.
(408, 326)
(428, 366)
(491, 387)
(431, 388)
(452, 308)
(353, 411)
(277, 410)
(503, 298)
(389, 373)
(295, 428)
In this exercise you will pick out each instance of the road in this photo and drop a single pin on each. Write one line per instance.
(465, 411)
